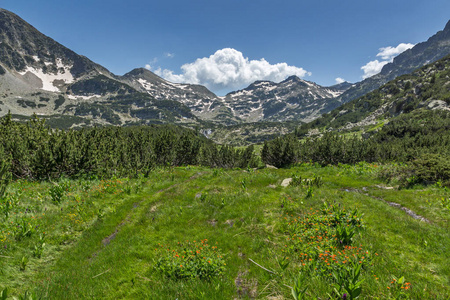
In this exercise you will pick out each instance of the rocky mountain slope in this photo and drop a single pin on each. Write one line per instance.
(435, 48)
(202, 102)
(291, 99)
(296, 99)
(427, 88)
(40, 76)
(41, 61)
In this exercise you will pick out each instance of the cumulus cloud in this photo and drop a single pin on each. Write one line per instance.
(373, 67)
(150, 65)
(340, 80)
(387, 55)
(228, 69)
(169, 55)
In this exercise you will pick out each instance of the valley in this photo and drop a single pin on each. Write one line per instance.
(136, 187)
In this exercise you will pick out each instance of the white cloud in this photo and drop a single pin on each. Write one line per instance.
(387, 55)
(228, 69)
(150, 65)
(169, 55)
(340, 80)
(373, 67)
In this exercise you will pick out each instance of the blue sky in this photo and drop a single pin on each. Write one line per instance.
(228, 44)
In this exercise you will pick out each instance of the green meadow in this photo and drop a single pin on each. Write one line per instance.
(336, 232)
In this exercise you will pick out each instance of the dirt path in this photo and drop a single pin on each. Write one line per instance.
(109, 238)
(393, 204)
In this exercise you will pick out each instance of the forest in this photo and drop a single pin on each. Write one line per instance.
(32, 150)
(420, 138)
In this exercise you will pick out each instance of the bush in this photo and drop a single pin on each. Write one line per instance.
(432, 168)
(57, 193)
(190, 260)
(5, 176)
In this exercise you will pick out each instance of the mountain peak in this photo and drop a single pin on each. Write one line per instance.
(259, 83)
(293, 78)
(342, 85)
(293, 99)
(145, 74)
(447, 27)
(139, 71)
(7, 12)
(39, 62)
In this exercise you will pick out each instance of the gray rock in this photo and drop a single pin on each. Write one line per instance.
(438, 104)
(286, 182)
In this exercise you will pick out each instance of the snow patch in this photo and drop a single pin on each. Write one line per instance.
(76, 97)
(180, 86)
(255, 109)
(334, 93)
(309, 83)
(261, 83)
(315, 97)
(145, 84)
(241, 93)
(269, 88)
(48, 78)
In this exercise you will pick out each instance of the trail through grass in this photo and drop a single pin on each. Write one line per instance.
(153, 238)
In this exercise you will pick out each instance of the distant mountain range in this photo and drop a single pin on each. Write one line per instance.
(202, 102)
(293, 99)
(40, 76)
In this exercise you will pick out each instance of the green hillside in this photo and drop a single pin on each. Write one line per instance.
(426, 88)
(406, 121)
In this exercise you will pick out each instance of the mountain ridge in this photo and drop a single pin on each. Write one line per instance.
(435, 48)
(40, 76)
(427, 88)
(37, 48)
(43, 77)
(288, 100)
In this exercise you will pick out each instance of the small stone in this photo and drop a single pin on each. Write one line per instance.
(229, 222)
(384, 187)
(286, 182)
(212, 222)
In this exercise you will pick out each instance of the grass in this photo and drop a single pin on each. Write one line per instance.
(109, 239)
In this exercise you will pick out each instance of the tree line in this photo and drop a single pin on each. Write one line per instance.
(406, 138)
(34, 151)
